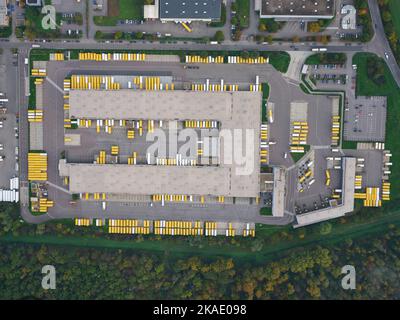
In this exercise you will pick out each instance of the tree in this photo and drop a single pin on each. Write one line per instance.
(219, 36)
(118, 35)
(128, 36)
(203, 54)
(269, 39)
(325, 228)
(324, 39)
(139, 35)
(244, 54)
(237, 35)
(393, 39)
(314, 27)
(262, 27)
(98, 35)
(386, 16)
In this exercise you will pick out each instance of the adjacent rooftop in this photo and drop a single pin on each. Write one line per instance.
(185, 10)
(297, 8)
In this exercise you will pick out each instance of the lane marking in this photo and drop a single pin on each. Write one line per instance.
(54, 85)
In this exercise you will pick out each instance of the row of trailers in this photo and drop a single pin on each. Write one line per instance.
(299, 133)
(9, 195)
(199, 59)
(37, 166)
(215, 87)
(335, 130)
(102, 82)
(264, 144)
(168, 227)
(258, 60)
(92, 56)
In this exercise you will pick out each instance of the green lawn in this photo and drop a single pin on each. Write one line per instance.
(265, 91)
(326, 58)
(243, 12)
(297, 156)
(33, 25)
(266, 211)
(128, 9)
(394, 6)
(280, 60)
(367, 87)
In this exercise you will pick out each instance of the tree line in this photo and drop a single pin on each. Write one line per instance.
(314, 273)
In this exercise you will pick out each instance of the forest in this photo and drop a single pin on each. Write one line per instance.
(306, 273)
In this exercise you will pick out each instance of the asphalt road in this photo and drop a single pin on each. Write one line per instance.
(146, 45)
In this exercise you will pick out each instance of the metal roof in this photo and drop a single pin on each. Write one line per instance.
(297, 8)
(190, 9)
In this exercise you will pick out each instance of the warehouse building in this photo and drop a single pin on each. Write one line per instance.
(34, 3)
(190, 10)
(296, 9)
(233, 110)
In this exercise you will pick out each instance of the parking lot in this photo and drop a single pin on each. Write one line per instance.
(8, 145)
(8, 120)
(365, 119)
(316, 195)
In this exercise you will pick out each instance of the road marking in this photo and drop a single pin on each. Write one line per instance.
(55, 85)
(58, 187)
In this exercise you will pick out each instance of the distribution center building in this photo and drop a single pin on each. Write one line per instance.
(234, 111)
(296, 9)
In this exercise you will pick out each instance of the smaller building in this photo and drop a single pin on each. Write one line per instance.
(4, 19)
(296, 9)
(190, 10)
(34, 3)
(150, 11)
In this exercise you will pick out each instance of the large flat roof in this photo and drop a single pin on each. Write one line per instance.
(151, 179)
(190, 9)
(234, 110)
(239, 109)
(297, 8)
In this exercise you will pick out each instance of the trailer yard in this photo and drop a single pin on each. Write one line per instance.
(137, 143)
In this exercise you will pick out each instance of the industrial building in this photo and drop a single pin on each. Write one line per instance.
(34, 3)
(187, 11)
(231, 110)
(296, 10)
